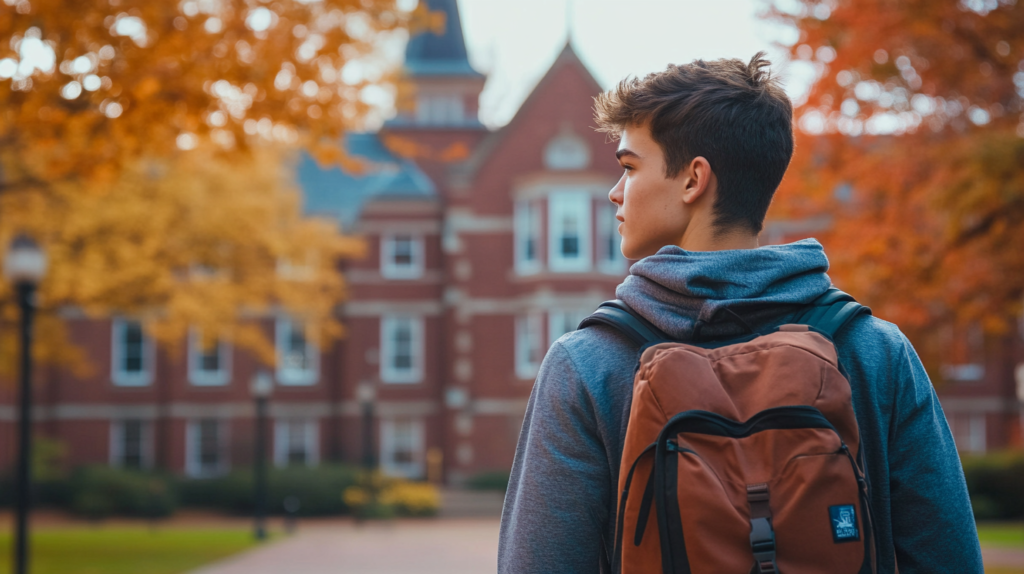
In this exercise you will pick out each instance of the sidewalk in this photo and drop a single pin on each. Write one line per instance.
(445, 546)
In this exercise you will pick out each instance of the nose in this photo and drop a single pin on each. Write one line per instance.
(615, 195)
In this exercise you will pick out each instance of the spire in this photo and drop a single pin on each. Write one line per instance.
(444, 54)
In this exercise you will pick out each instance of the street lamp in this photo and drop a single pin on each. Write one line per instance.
(365, 394)
(261, 387)
(24, 266)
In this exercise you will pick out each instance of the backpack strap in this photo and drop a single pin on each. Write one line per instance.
(831, 311)
(625, 320)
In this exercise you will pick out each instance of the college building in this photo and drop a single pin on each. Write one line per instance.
(483, 247)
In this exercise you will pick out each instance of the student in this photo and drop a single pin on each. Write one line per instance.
(703, 147)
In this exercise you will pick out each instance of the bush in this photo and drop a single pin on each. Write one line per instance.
(316, 488)
(995, 485)
(379, 496)
(490, 480)
(100, 491)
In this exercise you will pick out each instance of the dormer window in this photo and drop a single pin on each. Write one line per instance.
(439, 109)
(401, 256)
(566, 152)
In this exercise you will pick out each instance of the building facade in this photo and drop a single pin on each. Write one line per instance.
(482, 249)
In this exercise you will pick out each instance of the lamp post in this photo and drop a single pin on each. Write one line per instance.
(24, 266)
(365, 394)
(261, 387)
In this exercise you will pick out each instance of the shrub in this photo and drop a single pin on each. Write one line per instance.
(101, 491)
(316, 488)
(994, 483)
(379, 496)
(490, 480)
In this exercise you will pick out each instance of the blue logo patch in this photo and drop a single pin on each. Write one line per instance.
(844, 523)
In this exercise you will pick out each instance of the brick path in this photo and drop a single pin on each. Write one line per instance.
(448, 546)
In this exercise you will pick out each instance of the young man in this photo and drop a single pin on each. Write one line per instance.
(703, 147)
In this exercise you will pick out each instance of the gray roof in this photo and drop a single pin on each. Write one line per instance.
(340, 195)
(430, 54)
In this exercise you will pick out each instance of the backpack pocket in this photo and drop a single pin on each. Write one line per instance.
(777, 493)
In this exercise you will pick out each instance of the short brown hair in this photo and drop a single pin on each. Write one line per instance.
(733, 114)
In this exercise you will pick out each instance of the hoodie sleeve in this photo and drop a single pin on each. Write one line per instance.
(932, 522)
(556, 507)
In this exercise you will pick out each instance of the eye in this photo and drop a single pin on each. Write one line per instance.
(627, 167)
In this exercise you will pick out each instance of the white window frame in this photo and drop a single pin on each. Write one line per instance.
(610, 259)
(119, 376)
(527, 227)
(290, 376)
(559, 204)
(388, 435)
(117, 442)
(310, 429)
(193, 464)
(199, 377)
(528, 345)
(440, 109)
(388, 268)
(558, 320)
(388, 326)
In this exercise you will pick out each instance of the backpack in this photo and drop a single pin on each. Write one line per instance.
(747, 450)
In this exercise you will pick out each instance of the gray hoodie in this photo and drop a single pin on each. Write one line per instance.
(560, 506)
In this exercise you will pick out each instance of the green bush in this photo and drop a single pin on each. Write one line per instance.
(317, 489)
(995, 485)
(490, 480)
(101, 491)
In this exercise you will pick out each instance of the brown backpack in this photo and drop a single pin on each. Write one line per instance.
(747, 450)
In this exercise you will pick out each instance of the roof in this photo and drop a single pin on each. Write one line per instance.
(466, 171)
(444, 54)
(341, 195)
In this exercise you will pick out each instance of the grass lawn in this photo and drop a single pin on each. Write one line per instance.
(125, 550)
(1001, 534)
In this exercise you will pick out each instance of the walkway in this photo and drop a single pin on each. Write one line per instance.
(444, 546)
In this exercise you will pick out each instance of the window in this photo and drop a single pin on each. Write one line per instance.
(131, 444)
(562, 322)
(205, 448)
(401, 447)
(298, 360)
(609, 252)
(209, 362)
(439, 109)
(401, 349)
(528, 345)
(565, 152)
(132, 354)
(569, 231)
(527, 236)
(969, 431)
(296, 442)
(401, 257)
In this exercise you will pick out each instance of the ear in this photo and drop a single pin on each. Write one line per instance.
(699, 179)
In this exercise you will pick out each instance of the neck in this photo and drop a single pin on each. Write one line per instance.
(700, 235)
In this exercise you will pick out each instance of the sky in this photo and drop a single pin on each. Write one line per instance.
(514, 42)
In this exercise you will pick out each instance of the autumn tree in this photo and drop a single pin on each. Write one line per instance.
(146, 145)
(912, 139)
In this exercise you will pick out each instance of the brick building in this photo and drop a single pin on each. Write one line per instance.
(474, 266)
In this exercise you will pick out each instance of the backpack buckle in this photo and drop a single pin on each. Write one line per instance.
(762, 536)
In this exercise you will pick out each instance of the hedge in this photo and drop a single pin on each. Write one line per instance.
(996, 485)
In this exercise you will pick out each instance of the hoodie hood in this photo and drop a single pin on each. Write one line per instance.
(676, 289)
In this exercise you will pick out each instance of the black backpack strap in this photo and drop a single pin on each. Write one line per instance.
(624, 319)
(831, 311)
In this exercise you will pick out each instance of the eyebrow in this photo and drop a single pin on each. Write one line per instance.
(624, 152)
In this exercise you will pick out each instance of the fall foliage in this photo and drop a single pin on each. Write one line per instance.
(912, 138)
(146, 145)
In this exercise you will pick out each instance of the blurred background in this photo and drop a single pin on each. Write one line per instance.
(290, 266)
